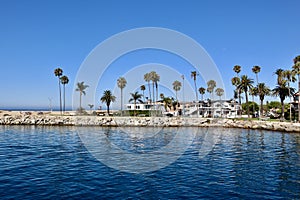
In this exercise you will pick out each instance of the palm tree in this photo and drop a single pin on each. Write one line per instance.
(64, 80)
(176, 87)
(282, 91)
(211, 84)
(245, 84)
(58, 72)
(135, 97)
(290, 76)
(262, 91)
(147, 78)
(256, 70)
(202, 92)
(253, 92)
(80, 88)
(107, 98)
(237, 69)
(236, 81)
(219, 92)
(296, 69)
(143, 88)
(155, 79)
(194, 75)
(121, 84)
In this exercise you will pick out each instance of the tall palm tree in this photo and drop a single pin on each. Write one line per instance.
(143, 88)
(155, 79)
(237, 69)
(58, 72)
(245, 84)
(64, 80)
(134, 98)
(194, 75)
(256, 70)
(282, 91)
(211, 84)
(121, 84)
(176, 87)
(290, 77)
(296, 69)
(202, 92)
(219, 92)
(236, 81)
(81, 89)
(147, 78)
(107, 98)
(262, 91)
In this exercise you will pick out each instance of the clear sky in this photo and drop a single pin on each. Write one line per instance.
(38, 36)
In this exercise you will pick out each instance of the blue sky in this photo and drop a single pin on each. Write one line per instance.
(38, 36)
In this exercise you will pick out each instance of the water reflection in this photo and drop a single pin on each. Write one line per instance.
(138, 151)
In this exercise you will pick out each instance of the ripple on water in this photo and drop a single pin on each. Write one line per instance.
(52, 163)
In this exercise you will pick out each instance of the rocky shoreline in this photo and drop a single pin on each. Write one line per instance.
(49, 119)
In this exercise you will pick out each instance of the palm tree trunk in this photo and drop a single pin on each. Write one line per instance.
(156, 91)
(80, 108)
(196, 90)
(121, 102)
(282, 110)
(256, 78)
(134, 111)
(144, 95)
(261, 107)
(149, 91)
(253, 108)
(247, 102)
(197, 100)
(290, 101)
(153, 94)
(107, 109)
(60, 107)
(64, 98)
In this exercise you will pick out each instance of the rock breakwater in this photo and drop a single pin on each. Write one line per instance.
(47, 119)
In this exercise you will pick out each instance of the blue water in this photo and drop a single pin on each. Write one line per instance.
(54, 163)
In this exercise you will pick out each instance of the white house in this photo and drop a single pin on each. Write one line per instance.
(218, 108)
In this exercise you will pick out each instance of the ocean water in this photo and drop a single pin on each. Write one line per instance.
(201, 163)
